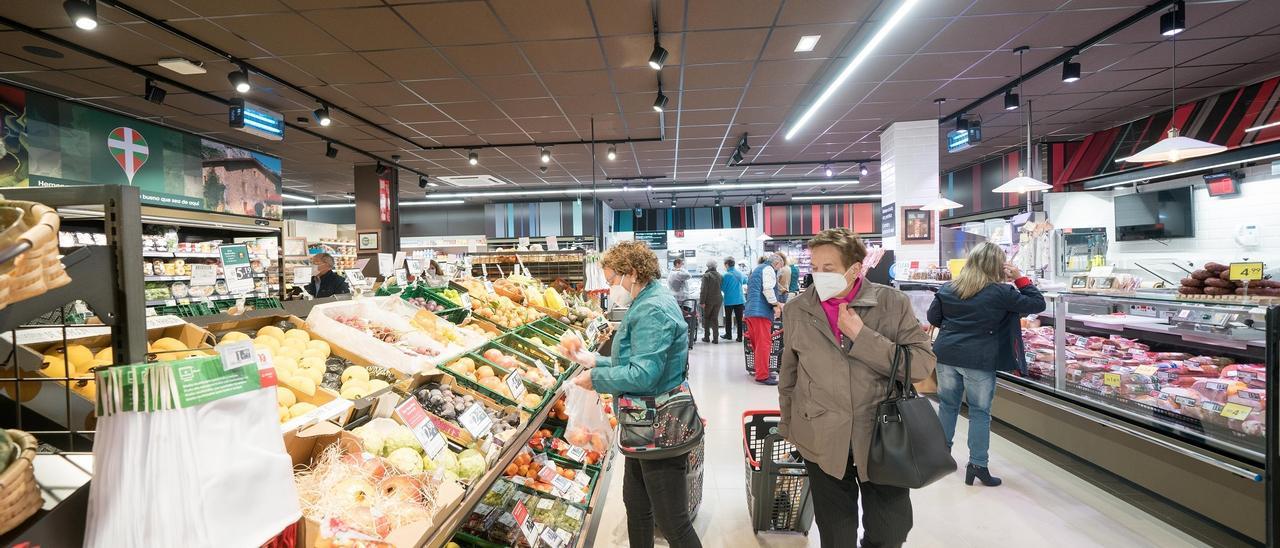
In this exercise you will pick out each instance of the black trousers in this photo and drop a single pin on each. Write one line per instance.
(711, 322)
(733, 316)
(656, 490)
(886, 511)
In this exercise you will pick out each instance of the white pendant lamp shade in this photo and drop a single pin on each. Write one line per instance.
(1174, 148)
(763, 237)
(1022, 183)
(940, 204)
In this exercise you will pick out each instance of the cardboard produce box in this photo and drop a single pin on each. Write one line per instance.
(306, 445)
(250, 327)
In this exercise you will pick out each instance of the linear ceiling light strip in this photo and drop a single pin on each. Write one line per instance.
(649, 189)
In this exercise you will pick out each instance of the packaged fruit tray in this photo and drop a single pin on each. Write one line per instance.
(473, 371)
(552, 442)
(535, 347)
(536, 474)
(440, 395)
(509, 357)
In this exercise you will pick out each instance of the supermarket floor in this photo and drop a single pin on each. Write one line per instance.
(1040, 503)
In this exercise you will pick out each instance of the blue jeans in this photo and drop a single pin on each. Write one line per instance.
(978, 387)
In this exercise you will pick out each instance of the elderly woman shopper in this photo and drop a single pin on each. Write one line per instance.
(711, 300)
(841, 337)
(978, 314)
(650, 357)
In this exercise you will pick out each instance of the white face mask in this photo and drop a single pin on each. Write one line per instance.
(829, 284)
(619, 295)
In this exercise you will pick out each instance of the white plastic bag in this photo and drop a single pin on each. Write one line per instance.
(588, 426)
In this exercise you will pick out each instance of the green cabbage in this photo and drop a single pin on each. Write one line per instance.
(405, 460)
(471, 464)
(370, 439)
(447, 460)
(400, 437)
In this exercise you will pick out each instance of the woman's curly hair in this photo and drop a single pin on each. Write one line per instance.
(632, 258)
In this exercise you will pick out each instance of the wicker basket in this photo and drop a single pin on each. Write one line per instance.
(38, 269)
(19, 493)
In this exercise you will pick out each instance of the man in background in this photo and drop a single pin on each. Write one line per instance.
(325, 282)
(731, 287)
(678, 280)
(711, 299)
(764, 304)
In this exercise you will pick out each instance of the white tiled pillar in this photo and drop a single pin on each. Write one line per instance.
(909, 178)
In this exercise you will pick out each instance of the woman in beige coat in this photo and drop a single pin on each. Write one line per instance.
(840, 336)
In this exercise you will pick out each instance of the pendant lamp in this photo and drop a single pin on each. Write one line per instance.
(1023, 183)
(1173, 147)
(940, 204)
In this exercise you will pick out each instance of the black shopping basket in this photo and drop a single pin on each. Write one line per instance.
(775, 350)
(777, 482)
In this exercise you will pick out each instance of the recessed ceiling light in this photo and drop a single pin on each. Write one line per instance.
(807, 43)
(182, 66)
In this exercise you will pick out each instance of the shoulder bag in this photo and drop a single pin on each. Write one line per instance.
(662, 426)
(907, 444)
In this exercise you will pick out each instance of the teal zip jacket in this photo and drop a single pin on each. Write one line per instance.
(650, 348)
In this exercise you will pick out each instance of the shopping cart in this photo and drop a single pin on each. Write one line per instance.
(775, 351)
(690, 309)
(777, 482)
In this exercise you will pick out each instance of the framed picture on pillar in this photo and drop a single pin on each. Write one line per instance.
(917, 225)
(367, 241)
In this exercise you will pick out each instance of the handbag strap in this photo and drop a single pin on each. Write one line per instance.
(903, 388)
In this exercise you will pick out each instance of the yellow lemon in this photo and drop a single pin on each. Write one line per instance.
(104, 355)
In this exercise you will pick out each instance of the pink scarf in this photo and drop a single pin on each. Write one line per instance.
(832, 308)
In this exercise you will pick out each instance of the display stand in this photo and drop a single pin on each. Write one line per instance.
(546, 266)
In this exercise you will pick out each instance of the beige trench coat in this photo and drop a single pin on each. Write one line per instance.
(828, 391)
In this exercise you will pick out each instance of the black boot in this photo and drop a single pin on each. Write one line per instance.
(982, 473)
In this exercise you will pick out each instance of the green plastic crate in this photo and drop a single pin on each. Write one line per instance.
(186, 310)
(560, 366)
(501, 372)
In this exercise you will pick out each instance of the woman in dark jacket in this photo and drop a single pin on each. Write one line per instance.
(978, 314)
(711, 299)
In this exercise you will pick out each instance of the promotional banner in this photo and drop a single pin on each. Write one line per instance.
(51, 142)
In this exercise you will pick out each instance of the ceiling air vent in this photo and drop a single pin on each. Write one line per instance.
(472, 181)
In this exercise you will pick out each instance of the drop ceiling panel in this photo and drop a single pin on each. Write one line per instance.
(440, 23)
(367, 28)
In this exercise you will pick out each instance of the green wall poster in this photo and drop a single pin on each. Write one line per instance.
(48, 141)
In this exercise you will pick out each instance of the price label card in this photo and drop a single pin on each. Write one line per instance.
(203, 274)
(385, 262)
(553, 243)
(1147, 370)
(530, 530)
(414, 266)
(301, 275)
(561, 484)
(264, 359)
(548, 472)
(355, 277)
(515, 383)
(402, 277)
(236, 268)
(520, 512)
(399, 260)
(550, 538)
(171, 302)
(593, 328)
(1245, 271)
(543, 368)
(1236, 411)
(237, 354)
(476, 420)
(1111, 379)
(577, 454)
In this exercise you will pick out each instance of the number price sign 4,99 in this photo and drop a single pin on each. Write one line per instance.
(1246, 271)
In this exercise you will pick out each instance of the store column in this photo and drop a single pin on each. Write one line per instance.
(908, 180)
(377, 215)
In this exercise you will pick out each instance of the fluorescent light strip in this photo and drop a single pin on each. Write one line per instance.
(656, 189)
(1263, 126)
(1185, 171)
(262, 126)
(318, 206)
(825, 197)
(865, 52)
(297, 197)
(435, 202)
(255, 115)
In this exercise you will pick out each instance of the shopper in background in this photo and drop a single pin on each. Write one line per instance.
(650, 355)
(325, 282)
(784, 280)
(794, 287)
(711, 300)
(764, 303)
(678, 280)
(734, 301)
(979, 314)
(841, 337)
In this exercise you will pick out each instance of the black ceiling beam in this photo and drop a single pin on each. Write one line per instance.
(806, 162)
(347, 113)
(184, 87)
(1064, 57)
(542, 144)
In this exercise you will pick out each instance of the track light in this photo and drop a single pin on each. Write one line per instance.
(1174, 21)
(381, 169)
(545, 155)
(829, 171)
(422, 182)
(239, 80)
(659, 56)
(1010, 100)
(154, 93)
(660, 103)
(330, 151)
(83, 13)
(862, 169)
(673, 202)
(473, 158)
(322, 115)
(735, 158)
(1070, 71)
(613, 153)
(962, 124)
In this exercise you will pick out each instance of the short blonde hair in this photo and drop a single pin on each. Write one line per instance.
(852, 250)
(632, 258)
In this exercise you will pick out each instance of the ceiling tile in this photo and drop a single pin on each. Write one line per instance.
(787, 72)
(615, 17)
(723, 46)
(471, 110)
(411, 64)
(445, 91)
(639, 80)
(564, 55)
(782, 42)
(731, 14)
(488, 60)
(545, 19)
(632, 51)
(409, 114)
(772, 96)
(824, 11)
(704, 99)
(379, 94)
(282, 34)
(367, 28)
(529, 108)
(441, 23)
(576, 83)
(728, 75)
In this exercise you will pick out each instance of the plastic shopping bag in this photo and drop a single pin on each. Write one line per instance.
(588, 426)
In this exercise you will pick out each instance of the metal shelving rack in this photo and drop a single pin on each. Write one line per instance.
(546, 266)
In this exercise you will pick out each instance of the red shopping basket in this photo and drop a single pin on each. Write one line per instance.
(775, 350)
(777, 482)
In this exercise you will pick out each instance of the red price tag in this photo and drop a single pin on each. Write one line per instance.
(520, 512)
(411, 413)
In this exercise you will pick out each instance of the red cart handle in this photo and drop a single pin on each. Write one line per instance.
(746, 448)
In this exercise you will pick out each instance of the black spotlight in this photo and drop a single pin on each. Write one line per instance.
(473, 158)
(743, 147)
(239, 80)
(658, 57)
(962, 124)
(613, 153)
(660, 103)
(1174, 21)
(330, 151)
(381, 169)
(735, 158)
(1070, 71)
(83, 13)
(422, 182)
(862, 169)
(154, 93)
(1010, 100)
(322, 115)
(545, 155)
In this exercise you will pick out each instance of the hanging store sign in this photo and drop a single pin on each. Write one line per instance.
(657, 239)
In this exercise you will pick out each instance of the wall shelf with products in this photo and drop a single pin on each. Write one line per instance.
(546, 266)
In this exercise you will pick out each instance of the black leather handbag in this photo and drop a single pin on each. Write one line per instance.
(908, 448)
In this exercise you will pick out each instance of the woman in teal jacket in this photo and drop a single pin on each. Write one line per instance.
(650, 354)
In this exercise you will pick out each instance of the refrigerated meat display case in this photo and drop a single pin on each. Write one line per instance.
(1152, 388)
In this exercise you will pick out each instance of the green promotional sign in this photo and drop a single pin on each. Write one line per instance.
(236, 268)
(50, 142)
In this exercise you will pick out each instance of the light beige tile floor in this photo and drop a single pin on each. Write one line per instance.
(1039, 505)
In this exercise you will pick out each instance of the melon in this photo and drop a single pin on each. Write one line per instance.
(233, 336)
(104, 355)
(315, 344)
(300, 334)
(168, 344)
(271, 331)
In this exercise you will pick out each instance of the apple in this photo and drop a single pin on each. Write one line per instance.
(402, 488)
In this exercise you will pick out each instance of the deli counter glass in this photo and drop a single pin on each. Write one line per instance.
(1195, 371)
